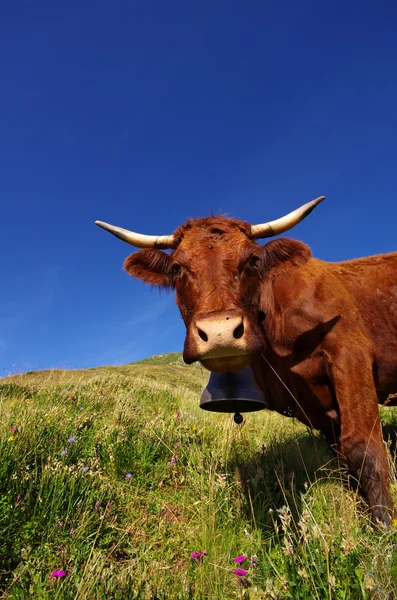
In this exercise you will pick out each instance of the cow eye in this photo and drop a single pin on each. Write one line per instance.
(176, 270)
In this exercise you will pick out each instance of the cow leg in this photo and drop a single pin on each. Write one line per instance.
(361, 443)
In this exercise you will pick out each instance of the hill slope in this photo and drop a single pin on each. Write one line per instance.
(112, 477)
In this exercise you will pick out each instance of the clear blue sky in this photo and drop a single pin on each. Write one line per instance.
(146, 113)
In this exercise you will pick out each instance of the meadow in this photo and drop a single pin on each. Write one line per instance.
(115, 485)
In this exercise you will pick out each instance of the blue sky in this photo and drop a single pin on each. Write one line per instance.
(143, 114)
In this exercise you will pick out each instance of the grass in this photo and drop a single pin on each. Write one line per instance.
(151, 478)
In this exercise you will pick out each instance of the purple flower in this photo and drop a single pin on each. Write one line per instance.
(173, 460)
(132, 396)
(178, 416)
(13, 428)
(239, 559)
(71, 440)
(81, 407)
(254, 561)
(19, 499)
(85, 469)
(58, 573)
(60, 523)
(64, 452)
(72, 531)
(199, 556)
(128, 476)
(240, 572)
(96, 505)
(73, 397)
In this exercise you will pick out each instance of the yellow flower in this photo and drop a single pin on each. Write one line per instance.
(394, 522)
(11, 438)
(195, 427)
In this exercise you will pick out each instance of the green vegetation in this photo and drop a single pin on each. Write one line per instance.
(112, 477)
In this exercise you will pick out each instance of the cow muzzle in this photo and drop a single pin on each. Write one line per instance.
(221, 342)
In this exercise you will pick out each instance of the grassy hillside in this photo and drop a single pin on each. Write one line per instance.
(171, 358)
(111, 478)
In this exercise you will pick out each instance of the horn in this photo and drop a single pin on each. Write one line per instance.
(139, 240)
(264, 230)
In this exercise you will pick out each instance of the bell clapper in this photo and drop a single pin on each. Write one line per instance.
(238, 418)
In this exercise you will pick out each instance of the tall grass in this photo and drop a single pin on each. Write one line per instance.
(115, 476)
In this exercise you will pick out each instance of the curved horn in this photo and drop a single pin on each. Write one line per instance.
(264, 230)
(139, 240)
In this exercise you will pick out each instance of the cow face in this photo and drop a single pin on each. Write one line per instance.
(215, 270)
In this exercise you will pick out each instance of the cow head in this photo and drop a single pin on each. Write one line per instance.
(216, 268)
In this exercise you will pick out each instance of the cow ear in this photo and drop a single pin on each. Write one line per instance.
(283, 250)
(153, 266)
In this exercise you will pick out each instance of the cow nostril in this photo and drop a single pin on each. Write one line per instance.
(203, 335)
(239, 331)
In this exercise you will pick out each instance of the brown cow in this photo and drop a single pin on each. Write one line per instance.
(321, 338)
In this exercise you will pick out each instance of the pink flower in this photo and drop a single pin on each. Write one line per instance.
(240, 572)
(58, 573)
(239, 559)
(199, 556)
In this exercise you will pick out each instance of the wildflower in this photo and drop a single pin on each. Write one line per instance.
(64, 452)
(199, 556)
(96, 505)
(253, 560)
(240, 572)
(13, 428)
(178, 416)
(128, 476)
(11, 438)
(177, 444)
(81, 407)
(58, 573)
(72, 531)
(73, 397)
(222, 476)
(195, 427)
(173, 460)
(85, 469)
(132, 396)
(239, 559)
(394, 522)
(18, 500)
(71, 440)
(60, 523)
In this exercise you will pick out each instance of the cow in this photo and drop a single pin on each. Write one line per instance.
(320, 337)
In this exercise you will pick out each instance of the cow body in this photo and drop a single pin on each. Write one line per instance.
(321, 338)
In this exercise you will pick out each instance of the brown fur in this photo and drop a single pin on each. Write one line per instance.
(328, 331)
